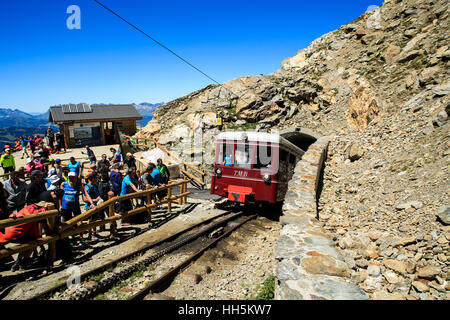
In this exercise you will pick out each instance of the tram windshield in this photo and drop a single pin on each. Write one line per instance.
(244, 155)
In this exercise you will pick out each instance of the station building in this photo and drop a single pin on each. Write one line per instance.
(94, 125)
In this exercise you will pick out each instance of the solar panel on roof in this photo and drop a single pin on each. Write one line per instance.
(76, 108)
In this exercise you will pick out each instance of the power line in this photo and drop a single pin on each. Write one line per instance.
(157, 42)
(172, 52)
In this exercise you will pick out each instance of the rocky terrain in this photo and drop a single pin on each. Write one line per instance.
(380, 87)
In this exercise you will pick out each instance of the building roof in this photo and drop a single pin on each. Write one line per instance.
(95, 112)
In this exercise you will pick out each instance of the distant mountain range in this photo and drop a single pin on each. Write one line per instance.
(15, 123)
(146, 110)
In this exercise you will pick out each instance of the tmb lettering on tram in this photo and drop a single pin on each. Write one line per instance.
(253, 166)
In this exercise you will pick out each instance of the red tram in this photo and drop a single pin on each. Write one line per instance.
(253, 166)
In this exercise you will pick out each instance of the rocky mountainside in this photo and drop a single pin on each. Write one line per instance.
(379, 86)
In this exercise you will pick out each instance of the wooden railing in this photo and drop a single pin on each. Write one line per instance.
(70, 227)
(200, 180)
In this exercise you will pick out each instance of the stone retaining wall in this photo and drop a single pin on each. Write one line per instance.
(309, 266)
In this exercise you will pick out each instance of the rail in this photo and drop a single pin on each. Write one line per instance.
(70, 227)
(191, 176)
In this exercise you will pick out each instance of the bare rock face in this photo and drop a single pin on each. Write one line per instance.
(362, 108)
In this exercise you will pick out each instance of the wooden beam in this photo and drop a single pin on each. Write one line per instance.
(192, 177)
(31, 218)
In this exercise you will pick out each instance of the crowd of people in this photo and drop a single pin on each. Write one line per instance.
(67, 186)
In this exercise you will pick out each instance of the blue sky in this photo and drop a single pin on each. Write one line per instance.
(43, 63)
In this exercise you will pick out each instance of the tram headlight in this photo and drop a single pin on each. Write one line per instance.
(218, 172)
(266, 178)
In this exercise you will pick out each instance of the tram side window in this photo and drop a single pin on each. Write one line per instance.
(263, 157)
(242, 156)
(226, 155)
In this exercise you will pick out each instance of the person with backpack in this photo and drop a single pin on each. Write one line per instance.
(92, 199)
(116, 178)
(130, 184)
(105, 189)
(162, 168)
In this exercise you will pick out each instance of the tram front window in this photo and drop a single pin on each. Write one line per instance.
(225, 154)
(242, 156)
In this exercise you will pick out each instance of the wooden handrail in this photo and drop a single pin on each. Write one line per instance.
(171, 154)
(27, 219)
(192, 177)
(50, 239)
(106, 204)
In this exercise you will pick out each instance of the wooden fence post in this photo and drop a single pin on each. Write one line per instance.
(111, 213)
(149, 202)
(180, 200)
(169, 201)
(51, 222)
(185, 190)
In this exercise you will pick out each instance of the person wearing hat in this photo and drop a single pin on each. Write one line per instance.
(58, 168)
(54, 183)
(65, 174)
(37, 165)
(25, 232)
(130, 161)
(70, 205)
(38, 160)
(7, 161)
(51, 167)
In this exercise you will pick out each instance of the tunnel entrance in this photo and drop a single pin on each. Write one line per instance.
(300, 137)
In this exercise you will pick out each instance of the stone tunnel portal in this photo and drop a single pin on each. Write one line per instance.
(300, 137)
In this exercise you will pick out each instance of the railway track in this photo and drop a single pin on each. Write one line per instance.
(99, 281)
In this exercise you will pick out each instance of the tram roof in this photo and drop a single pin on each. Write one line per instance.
(250, 136)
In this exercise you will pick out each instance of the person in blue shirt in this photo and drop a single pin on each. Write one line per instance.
(129, 185)
(227, 161)
(116, 179)
(75, 166)
(156, 175)
(24, 144)
(70, 204)
(116, 157)
(156, 180)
